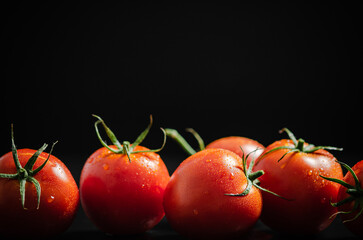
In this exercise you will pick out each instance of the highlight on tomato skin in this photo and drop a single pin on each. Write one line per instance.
(48, 198)
(122, 185)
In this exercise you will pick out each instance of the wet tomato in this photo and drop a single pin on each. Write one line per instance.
(38, 195)
(292, 169)
(196, 200)
(122, 186)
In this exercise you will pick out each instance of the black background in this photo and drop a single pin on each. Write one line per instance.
(224, 69)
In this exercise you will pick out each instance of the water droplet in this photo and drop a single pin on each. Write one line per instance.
(322, 169)
(283, 165)
(232, 176)
(208, 161)
(143, 185)
(195, 211)
(50, 199)
(323, 200)
(105, 166)
(310, 172)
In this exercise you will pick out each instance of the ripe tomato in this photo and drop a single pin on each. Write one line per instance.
(239, 145)
(122, 186)
(47, 202)
(197, 200)
(350, 198)
(292, 169)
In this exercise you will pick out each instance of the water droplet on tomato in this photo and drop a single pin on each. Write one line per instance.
(208, 161)
(232, 176)
(50, 199)
(195, 211)
(323, 200)
(105, 166)
(310, 172)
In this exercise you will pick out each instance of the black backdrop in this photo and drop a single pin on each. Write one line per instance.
(223, 69)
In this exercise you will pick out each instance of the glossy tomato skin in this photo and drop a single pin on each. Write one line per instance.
(58, 203)
(355, 226)
(235, 143)
(122, 197)
(296, 177)
(195, 203)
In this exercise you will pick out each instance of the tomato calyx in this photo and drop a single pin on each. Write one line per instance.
(299, 146)
(126, 147)
(355, 192)
(252, 178)
(26, 173)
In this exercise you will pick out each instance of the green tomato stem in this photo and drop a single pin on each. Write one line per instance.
(124, 148)
(174, 134)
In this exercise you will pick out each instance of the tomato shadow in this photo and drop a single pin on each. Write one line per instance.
(98, 235)
(270, 235)
(336, 231)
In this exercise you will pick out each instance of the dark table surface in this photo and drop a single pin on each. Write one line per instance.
(83, 227)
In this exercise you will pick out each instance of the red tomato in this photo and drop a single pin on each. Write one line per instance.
(195, 200)
(58, 203)
(350, 198)
(122, 192)
(296, 176)
(239, 145)
(123, 197)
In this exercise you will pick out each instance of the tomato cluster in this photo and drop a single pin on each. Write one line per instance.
(219, 191)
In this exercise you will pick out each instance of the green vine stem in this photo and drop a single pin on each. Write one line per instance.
(299, 146)
(355, 192)
(26, 173)
(175, 135)
(126, 147)
(197, 137)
